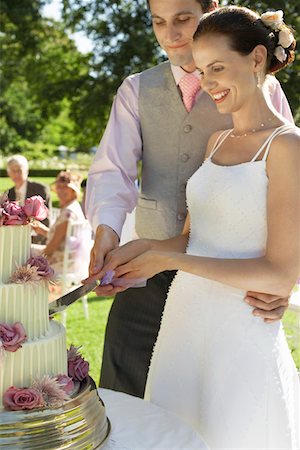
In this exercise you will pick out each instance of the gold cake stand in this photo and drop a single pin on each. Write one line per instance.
(80, 424)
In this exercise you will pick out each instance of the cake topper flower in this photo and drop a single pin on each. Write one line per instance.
(35, 208)
(11, 213)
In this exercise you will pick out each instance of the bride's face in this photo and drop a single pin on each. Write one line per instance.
(226, 75)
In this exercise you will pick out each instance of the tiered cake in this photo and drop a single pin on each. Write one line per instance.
(44, 352)
(39, 353)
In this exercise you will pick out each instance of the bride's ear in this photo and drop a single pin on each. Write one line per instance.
(259, 54)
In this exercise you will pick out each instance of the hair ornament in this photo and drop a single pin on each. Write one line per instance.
(274, 20)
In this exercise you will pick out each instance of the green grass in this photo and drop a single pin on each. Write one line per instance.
(90, 333)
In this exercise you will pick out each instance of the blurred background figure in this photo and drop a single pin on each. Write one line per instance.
(83, 187)
(67, 188)
(17, 170)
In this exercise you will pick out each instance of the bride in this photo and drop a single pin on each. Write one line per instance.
(224, 371)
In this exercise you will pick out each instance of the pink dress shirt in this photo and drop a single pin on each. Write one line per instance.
(111, 188)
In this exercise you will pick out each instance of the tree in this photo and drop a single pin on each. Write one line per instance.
(124, 43)
(41, 67)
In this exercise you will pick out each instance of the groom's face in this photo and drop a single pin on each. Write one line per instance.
(174, 24)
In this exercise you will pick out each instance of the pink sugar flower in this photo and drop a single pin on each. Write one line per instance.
(35, 207)
(12, 336)
(44, 269)
(17, 399)
(66, 383)
(78, 368)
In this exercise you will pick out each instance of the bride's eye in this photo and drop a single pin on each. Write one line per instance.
(218, 68)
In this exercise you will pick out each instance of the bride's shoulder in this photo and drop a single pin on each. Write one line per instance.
(287, 145)
(214, 140)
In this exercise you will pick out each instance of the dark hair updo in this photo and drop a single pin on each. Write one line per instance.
(245, 30)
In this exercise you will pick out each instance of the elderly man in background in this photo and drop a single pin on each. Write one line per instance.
(17, 170)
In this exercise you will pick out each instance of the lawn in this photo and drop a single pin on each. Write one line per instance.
(90, 333)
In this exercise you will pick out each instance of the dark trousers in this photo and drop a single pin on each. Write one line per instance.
(131, 332)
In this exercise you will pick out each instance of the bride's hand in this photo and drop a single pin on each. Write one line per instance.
(124, 254)
(145, 265)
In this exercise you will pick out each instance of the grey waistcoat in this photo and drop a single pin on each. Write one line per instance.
(174, 144)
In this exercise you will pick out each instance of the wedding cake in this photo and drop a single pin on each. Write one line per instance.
(43, 388)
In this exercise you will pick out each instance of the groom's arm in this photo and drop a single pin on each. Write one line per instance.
(269, 307)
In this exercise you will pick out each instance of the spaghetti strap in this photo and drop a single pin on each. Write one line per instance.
(221, 138)
(266, 145)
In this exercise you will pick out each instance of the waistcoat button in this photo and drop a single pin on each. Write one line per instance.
(187, 128)
(184, 157)
(181, 216)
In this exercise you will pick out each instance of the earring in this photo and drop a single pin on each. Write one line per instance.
(259, 79)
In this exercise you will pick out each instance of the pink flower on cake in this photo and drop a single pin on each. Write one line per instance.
(12, 336)
(44, 269)
(16, 399)
(78, 368)
(25, 274)
(66, 383)
(53, 394)
(35, 207)
(14, 214)
(3, 215)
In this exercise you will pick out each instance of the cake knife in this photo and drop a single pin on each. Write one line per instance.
(66, 300)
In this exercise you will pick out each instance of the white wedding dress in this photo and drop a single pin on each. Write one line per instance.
(222, 370)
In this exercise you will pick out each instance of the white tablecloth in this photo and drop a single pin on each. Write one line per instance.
(140, 425)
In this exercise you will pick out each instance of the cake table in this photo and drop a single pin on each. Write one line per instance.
(140, 425)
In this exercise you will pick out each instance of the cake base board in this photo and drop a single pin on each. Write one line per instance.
(80, 423)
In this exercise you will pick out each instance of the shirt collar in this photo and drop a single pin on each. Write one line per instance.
(178, 73)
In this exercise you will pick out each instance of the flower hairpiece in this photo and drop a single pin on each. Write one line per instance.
(274, 21)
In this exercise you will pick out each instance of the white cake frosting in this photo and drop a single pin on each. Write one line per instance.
(44, 352)
(25, 303)
(45, 356)
(14, 249)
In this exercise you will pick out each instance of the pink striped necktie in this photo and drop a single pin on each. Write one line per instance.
(189, 86)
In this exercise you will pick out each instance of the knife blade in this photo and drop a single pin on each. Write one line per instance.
(66, 300)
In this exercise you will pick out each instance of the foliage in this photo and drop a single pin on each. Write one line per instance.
(41, 68)
(51, 93)
(124, 43)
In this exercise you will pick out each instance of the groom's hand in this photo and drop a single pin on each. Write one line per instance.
(106, 240)
(269, 307)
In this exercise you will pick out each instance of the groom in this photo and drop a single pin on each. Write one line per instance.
(162, 117)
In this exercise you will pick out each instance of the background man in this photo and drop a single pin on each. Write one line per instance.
(17, 170)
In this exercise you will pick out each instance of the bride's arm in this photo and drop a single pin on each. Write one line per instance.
(133, 249)
(278, 270)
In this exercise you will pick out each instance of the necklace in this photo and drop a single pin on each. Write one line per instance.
(253, 130)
